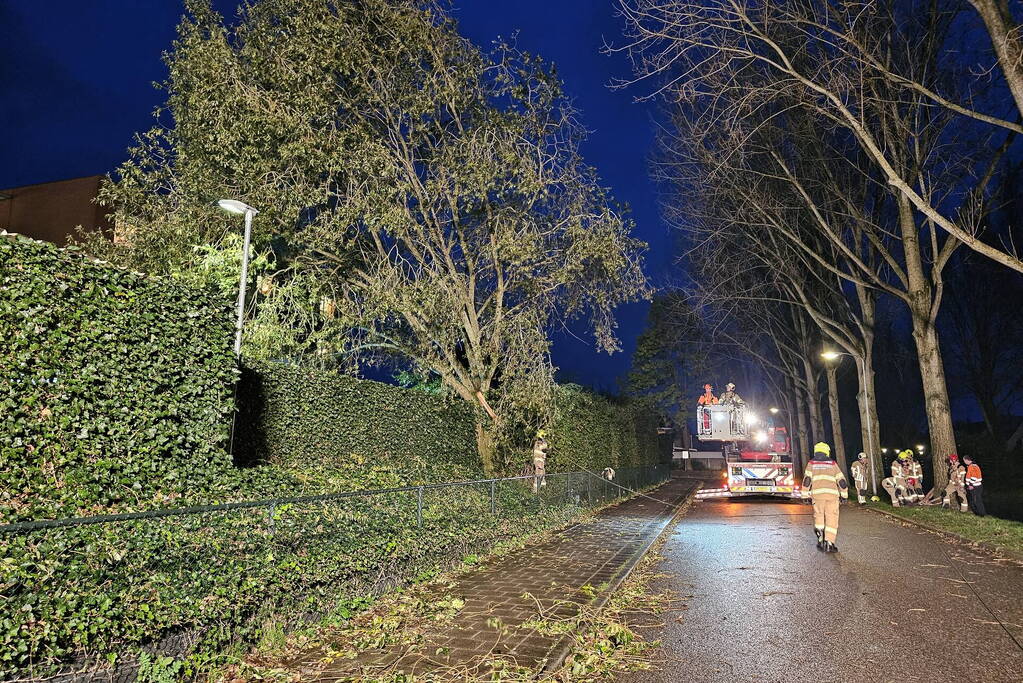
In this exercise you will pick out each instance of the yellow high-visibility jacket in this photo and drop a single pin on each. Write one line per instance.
(824, 479)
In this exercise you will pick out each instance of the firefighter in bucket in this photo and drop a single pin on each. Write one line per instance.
(707, 398)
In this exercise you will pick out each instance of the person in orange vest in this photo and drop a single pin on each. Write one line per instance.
(707, 398)
(824, 479)
(974, 486)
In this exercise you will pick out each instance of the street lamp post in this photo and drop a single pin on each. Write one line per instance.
(833, 355)
(237, 207)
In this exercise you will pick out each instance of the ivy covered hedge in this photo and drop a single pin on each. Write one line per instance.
(115, 388)
(593, 432)
(298, 417)
(116, 395)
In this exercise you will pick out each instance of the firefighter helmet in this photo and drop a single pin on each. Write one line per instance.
(861, 456)
(906, 454)
(729, 386)
(953, 457)
(821, 447)
(541, 434)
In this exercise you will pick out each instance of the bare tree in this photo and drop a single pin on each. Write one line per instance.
(1005, 31)
(803, 139)
(840, 61)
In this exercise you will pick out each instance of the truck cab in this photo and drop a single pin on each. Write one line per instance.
(762, 466)
(757, 455)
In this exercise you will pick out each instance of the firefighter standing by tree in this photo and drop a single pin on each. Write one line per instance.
(974, 486)
(540, 447)
(826, 483)
(895, 485)
(859, 473)
(956, 484)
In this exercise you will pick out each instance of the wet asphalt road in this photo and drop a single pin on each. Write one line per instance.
(895, 604)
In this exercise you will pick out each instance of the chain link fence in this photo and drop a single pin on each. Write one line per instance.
(177, 581)
(582, 488)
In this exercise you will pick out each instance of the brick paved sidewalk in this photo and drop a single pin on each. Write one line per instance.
(578, 566)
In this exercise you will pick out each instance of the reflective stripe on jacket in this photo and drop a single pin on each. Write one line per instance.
(973, 476)
(824, 478)
(859, 471)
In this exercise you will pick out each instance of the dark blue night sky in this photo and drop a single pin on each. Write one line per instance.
(76, 81)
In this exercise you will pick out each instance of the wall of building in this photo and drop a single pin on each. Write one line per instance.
(52, 211)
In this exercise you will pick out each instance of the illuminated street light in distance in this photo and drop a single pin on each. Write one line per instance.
(830, 355)
(920, 447)
(774, 411)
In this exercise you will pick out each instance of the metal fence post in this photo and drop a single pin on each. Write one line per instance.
(419, 506)
(493, 498)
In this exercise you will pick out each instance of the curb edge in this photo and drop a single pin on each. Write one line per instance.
(563, 647)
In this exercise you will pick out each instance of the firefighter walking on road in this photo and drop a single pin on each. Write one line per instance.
(955, 490)
(859, 473)
(826, 483)
(974, 486)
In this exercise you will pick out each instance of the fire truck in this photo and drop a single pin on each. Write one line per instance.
(757, 456)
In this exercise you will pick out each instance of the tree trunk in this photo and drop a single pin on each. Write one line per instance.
(836, 419)
(989, 412)
(939, 415)
(486, 445)
(813, 401)
(800, 420)
(867, 402)
(789, 406)
(923, 312)
(1005, 39)
(870, 427)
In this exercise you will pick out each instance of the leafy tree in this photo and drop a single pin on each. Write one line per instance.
(418, 196)
(670, 358)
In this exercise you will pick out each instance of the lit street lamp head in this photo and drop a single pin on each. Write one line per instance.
(774, 411)
(235, 206)
(830, 355)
